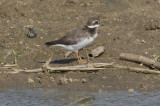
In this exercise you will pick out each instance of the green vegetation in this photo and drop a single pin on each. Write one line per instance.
(15, 53)
(156, 57)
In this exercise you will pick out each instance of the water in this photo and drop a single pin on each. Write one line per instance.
(52, 97)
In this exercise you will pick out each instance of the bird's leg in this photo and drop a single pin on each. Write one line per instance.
(80, 60)
(78, 57)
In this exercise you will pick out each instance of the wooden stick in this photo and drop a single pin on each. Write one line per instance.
(97, 51)
(71, 68)
(89, 67)
(16, 70)
(140, 59)
(139, 70)
(99, 66)
(84, 68)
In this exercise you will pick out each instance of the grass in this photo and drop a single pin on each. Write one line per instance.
(4, 58)
(156, 57)
(15, 53)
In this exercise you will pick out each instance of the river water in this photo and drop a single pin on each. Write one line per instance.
(53, 97)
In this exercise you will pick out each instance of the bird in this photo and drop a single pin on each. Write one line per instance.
(78, 38)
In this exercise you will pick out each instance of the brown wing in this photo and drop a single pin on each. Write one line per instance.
(70, 38)
(73, 37)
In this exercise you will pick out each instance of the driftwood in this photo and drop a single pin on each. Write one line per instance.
(97, 51)
(140, 59)
(94, 53)
(100, 66)
(87, 67)
(12, 70)
(138, 70)
(97, 66)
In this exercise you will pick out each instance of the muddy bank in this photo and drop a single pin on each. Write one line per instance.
(93, 81)
(126, 26)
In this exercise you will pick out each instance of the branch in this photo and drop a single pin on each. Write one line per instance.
(16, 70)
(97, 51)
(139, 70)
(140, 59)
(88, 67)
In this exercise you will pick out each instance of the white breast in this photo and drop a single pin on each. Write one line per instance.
(79, 45)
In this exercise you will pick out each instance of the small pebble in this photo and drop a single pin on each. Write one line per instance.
(131, 90)
(30, 80)
(70, 80)
(41, 37)
(84, 80)
(143, 41)
(63, 81)
(31, 33)
(52, 79)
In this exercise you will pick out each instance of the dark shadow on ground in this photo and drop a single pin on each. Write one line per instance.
(62, 61)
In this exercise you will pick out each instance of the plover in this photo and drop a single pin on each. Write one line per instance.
(79, 38)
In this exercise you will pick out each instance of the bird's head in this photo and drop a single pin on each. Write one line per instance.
(93, 22)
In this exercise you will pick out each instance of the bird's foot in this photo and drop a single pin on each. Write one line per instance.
(82, 61)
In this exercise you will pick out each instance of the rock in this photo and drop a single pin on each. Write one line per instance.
(52, 79)
(70, 80)
(84, 80)
(25, 68)
(31, 33)
(131, 90)
(63, 81)
(143, 41)
(76, 80)
(72, 1)
(41, 37)
(30, 80)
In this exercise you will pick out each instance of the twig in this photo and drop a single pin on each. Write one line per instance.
(70, 68)
(16, 70)
(89, 67)
(139, 70)
(10, 65)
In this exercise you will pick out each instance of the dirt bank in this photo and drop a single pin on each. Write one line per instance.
(130, 26)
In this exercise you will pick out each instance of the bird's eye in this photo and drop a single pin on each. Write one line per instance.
(96, 22)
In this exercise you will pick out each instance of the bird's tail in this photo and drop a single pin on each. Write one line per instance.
(51, 43)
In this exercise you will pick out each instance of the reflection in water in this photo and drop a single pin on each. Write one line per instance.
(50, 97)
